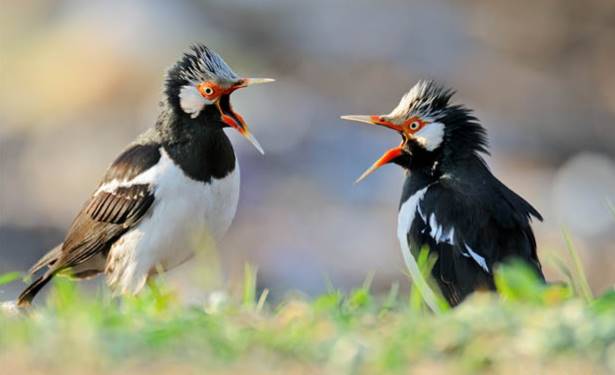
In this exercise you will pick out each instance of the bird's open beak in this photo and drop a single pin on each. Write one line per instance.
(233, 119)
(388, 156)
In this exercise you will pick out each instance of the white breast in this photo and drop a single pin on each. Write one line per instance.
(186, 216)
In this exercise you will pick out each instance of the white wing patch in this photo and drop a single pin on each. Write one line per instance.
(421, 213)
(407, 212)
(149, 176)
(436, 230)
(449, 237)
(430, 136)
(438, 233)
(477, 258)
(191, 100)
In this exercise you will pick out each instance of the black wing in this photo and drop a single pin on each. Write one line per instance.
(472, 228)
(116, 206)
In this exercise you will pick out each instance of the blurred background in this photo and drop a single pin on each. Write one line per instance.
(80, 79)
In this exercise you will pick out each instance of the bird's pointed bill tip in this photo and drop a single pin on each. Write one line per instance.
(257, 81)
(358, 118)
(254, 142)
(388, 157)
(367, 172)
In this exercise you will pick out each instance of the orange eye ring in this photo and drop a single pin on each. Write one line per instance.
(209, 90)
(413, 125)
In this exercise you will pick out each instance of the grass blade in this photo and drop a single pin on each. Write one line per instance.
(419, 281)
(560, 266)
(8, 278)
(580, 277)
(262, 299)
(249, 285)
(391, 299)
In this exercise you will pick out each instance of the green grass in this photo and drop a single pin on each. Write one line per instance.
(529, 328)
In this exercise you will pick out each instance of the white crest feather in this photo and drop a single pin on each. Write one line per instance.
(405, 104)
(421, 100)
(191, 100)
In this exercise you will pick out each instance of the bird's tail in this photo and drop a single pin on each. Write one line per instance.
(47, 260)
(25, 298)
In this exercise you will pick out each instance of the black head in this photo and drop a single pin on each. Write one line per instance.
(433, 130)
(198, 88)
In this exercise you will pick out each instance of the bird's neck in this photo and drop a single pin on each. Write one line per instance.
(427, 167)
(463, 143)
(203, 152)
(424, 163)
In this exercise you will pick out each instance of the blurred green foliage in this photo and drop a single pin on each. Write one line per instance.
(545, 327)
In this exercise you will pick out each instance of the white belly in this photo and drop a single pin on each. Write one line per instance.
(187, 216)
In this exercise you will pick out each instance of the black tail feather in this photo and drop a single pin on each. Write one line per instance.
(47, 260)
(26, 297)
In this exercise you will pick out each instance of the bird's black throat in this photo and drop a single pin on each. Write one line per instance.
(420, 160)
(198, 146)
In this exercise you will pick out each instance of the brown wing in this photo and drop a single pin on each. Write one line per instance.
(110, 212)
(105, 217)
(116, 206)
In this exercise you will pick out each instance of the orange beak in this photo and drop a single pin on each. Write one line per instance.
(388, 156)
(233, 119)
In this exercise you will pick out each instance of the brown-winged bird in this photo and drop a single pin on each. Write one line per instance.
(174, 187)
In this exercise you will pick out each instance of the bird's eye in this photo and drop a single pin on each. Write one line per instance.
(414, 125)
(208, 90)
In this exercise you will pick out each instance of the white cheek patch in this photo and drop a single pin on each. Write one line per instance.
(191, 100)
(430, 136)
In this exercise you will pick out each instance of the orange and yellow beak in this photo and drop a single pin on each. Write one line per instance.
(388, 156)
(233, 119)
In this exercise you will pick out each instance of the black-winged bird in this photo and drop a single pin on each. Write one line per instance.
(172, 190)
(451, 201)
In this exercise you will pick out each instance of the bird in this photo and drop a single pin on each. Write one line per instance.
(451, 202)
(173, 188)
